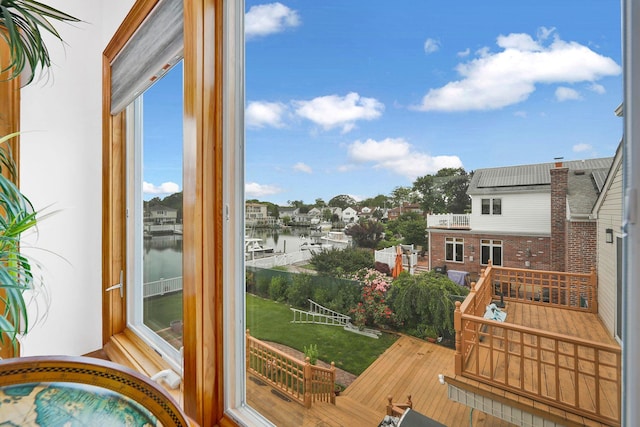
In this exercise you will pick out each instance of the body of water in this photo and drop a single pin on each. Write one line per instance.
(162, 258)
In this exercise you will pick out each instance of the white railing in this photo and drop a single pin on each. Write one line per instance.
(388, 256)
(162, 286)
(281, 259)
(448, 221)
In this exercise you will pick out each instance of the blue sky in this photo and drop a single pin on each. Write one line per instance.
(359, 97)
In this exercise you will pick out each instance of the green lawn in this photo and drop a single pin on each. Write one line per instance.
(271, 321)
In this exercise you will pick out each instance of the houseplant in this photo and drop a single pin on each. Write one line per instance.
(22, 23)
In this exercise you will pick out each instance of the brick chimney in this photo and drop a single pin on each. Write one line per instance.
(559, 185)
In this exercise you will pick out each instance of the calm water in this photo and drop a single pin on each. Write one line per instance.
(163, 254)
(162, 258)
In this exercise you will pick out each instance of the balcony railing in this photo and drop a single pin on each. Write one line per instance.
(460, 221)
(573, 374)
(303, 382)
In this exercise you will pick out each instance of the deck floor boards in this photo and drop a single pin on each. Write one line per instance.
(409, 367)
(567, 322)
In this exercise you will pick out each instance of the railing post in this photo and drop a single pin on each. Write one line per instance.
(333, 383)
(457, 324)
(247, 350)
(594, 290)
(307, 382)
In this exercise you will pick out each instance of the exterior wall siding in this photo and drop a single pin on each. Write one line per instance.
(609, 216)
(517, 251)
(528, 213)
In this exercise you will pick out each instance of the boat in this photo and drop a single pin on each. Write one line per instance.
(323, 226)
(314, 244)
(255, 248)
(338, 239)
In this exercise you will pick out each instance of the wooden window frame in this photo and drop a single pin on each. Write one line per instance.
(202, 393)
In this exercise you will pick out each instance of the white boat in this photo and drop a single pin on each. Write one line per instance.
(338, 239)
(313, 244)
(323, 226)
(255, 248)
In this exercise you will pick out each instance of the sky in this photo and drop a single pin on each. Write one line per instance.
(360, 97)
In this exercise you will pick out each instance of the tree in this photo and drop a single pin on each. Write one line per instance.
(444, 192)
(431, 197)
(366, 234)
(401, 195)
(380, 201)
(320, 203)
(342, 201)
(411, 226)
(425, 303)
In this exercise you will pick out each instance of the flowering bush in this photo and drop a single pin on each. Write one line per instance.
(372, 308)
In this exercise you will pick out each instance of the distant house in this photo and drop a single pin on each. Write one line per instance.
(349, 215)
(160, 215)
(532, 216)
(393, 214)
(256, 214)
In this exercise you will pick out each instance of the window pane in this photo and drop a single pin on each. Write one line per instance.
(497, 206)
(485, 255)
(155, 310)
(497, 255)
(459, 252)
(486, 207)
(449, 250)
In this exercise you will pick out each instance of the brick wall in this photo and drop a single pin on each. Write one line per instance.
(581, 246)
(517, 251)
(559, 178)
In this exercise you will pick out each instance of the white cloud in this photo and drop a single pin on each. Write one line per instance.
(578, 148)
(464, 53)
(567, 94)
(164, 188)
(271, 18)
(599, 89)
(254, 190)
(335, 111)
(259, 114)
(398, 156)
(431, 45)
(496, 80)
(302, 167)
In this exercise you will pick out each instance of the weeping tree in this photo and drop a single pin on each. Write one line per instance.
(22, 25)
(425, 303)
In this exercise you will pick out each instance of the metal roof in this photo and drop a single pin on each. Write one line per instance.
(531, 175)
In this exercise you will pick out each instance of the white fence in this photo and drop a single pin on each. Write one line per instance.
(162, 286)
(280, 259)
(449, 221)
(388, 256)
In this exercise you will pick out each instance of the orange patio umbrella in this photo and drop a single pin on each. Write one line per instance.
(397, 268)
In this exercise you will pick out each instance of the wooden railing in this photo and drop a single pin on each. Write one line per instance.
(577, 375)
(303, 382)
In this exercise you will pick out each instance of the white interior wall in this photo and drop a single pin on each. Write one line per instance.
(61, 166)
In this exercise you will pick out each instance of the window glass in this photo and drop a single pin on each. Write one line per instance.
(154, 157)
(486, 206)
(497, 207)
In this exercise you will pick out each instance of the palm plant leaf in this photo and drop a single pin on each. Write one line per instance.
(23, 21)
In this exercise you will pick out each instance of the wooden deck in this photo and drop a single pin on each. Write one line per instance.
(409, 367)
(576, 363)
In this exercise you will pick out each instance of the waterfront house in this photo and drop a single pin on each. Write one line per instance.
(394, 213)
(160, 215)
(530, 216)
(349, 215)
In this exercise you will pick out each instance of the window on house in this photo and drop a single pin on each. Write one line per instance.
(491, 250)
(491, 206)
(454, 249)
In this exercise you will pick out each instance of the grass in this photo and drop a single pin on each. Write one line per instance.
(271, 321)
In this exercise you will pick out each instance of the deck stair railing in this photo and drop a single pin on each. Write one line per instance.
(577, 375)
(300, 380)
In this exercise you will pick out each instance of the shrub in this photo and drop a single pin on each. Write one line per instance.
(425, 302)
(342, 263)
(312, 353)
(372, 309)
(278, 288)
(262, 286)
(300, 290)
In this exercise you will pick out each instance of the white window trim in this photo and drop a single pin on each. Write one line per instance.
(454, 241)
(492, 245)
